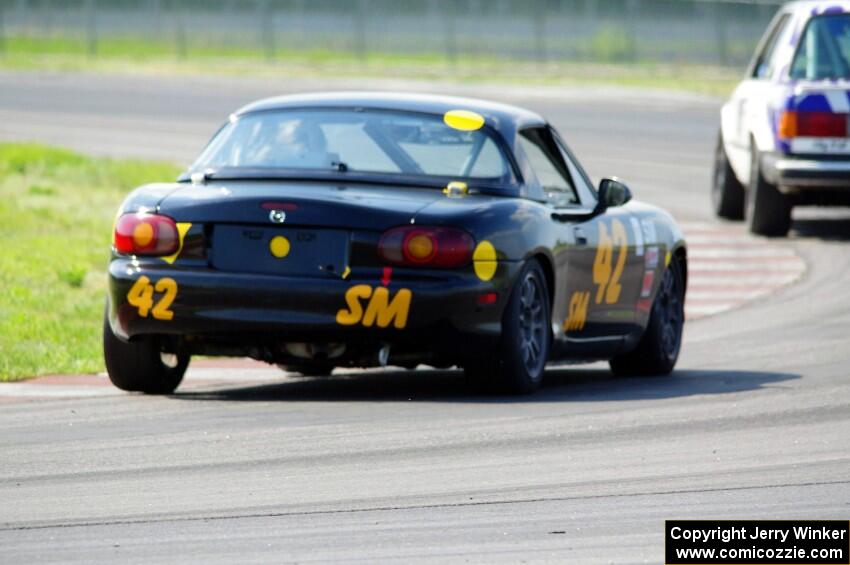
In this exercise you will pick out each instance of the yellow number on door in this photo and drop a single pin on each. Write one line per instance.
(606, 275)
(621, 239)
(602, 264)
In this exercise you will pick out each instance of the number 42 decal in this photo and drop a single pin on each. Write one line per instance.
(606, 275)
(141, 296)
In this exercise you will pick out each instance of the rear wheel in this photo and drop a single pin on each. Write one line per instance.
(658, 349)
(518, 364)
(143, 365)
(768, 210)
(727, 193)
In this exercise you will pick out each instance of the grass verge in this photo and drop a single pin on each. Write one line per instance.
(124, 55)
(56, 213)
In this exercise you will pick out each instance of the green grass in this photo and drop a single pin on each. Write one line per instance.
(56, 214)
(147, 56)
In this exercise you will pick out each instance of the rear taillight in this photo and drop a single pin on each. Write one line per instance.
(145, 234)
(444, 248)
(812, 124)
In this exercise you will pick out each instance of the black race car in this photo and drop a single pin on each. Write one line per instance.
(362, 229)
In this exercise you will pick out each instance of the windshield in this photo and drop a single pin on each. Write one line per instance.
(365, 141)
(824, 49)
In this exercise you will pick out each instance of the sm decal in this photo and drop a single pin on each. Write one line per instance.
(577, 314)
(375, 307)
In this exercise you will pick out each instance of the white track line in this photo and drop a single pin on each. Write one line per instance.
(780, 253)
(700, 267)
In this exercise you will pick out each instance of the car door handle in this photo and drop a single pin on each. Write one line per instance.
(581, 239)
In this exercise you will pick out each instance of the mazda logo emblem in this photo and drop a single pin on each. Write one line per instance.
(277, 216)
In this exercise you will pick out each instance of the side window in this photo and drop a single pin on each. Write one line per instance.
(766, 60)
(548, 166)
(582, 182)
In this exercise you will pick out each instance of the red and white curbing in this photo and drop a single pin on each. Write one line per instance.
(728, 267)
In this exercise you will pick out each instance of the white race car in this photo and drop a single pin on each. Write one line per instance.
(784, 133)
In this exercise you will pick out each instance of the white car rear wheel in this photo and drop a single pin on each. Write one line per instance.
(727, 194)
(768, 210)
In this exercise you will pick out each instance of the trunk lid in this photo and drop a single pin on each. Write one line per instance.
(322, 230)
(366, 207)
(816, 120)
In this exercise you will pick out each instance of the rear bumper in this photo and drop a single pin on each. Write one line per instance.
(795, 174)
(246, 307)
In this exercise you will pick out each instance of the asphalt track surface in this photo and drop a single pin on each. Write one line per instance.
(245, 466)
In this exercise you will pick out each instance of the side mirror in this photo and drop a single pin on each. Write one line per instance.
(612, 193)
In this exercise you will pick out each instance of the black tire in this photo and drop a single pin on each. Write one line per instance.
(658, 349)
(768, 210)
(727, 193)
(518, 364)
(142, 365)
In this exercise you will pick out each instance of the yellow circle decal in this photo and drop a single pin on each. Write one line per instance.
(143, 234)
(484, 261)
(279, 246)
(464, 120)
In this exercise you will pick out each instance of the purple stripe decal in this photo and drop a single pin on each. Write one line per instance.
(813, 103)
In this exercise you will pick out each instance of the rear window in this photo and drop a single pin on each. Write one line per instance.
(368, 141)
(824, 49)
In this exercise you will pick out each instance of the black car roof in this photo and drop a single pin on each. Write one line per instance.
(504, 118)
